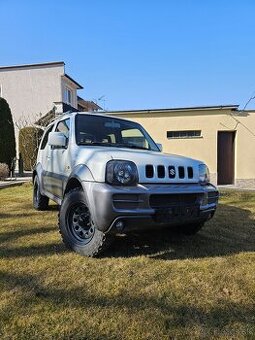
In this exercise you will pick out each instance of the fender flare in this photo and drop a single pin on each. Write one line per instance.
(38, 171)
(80, 173)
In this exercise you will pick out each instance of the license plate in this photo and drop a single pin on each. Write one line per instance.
(188, 211)
(183, 211)
(176, 213)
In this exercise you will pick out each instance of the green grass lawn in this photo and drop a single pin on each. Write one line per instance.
(153, 286)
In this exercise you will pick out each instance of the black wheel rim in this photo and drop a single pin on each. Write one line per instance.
(79, 223)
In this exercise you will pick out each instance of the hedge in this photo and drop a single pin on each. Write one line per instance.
(29, 140)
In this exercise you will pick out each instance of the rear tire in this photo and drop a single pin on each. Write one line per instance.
(40, 202)
(191, 229)
(77, 228)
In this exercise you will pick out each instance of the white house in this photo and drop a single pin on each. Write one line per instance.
(34, 90)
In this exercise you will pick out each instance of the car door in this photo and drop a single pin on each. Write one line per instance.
(44, 160)
(60, 160)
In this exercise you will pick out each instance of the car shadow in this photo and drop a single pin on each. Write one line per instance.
(231, 231)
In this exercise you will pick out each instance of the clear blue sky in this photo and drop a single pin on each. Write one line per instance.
(139, 54)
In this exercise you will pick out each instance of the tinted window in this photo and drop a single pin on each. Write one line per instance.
(112, 132)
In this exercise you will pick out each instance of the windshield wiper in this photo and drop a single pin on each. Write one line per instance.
(96, 144)
(133, 146)
(116, 145)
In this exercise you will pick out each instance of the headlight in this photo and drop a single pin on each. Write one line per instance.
(121, 173)
(204, 175)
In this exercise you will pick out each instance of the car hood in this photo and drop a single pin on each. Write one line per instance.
(96, 158)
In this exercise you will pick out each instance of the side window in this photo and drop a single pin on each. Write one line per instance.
(45, 138)
(64, 127)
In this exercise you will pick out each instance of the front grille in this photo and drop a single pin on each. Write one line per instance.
(161, 171)
(149, 171)
(181, 172)
(169, 172)
(170, 200)
(190, 172)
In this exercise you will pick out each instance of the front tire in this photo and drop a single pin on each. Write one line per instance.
(77, 228)
(40, 202)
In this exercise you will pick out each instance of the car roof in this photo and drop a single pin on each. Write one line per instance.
(96, 114)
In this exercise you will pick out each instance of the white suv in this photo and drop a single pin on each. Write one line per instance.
(109, 176)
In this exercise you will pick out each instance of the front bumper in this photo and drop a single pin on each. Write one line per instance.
(148, 206)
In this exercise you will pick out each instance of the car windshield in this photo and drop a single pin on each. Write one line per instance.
(112, 132)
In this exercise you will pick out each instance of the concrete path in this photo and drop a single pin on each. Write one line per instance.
(233, 187)
(14, 181)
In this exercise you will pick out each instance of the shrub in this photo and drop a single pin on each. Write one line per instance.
(29, 140)
(7, 136)
(4, 171)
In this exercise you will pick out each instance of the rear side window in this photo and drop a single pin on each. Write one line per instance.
(45, 138)
(64, 127)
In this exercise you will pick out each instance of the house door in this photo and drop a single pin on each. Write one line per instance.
(226, 157)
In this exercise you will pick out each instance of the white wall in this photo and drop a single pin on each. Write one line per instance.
(32, 90)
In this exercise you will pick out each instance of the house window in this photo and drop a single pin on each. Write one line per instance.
(68, 96)
(184, 134)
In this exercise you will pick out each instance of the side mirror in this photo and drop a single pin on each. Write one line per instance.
(159, 146)
(57, 139)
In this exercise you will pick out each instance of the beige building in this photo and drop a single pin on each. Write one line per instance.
(221, 136)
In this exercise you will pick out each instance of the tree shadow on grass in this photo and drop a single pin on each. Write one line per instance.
(29, 206)
(174, 314)
(231, 231)
(15, 234)
(2, 216)
(33, 250)
(27, 211)
(18, 215)
(8, 251)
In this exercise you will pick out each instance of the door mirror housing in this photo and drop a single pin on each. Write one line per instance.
(159, 145)
(57, 139)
